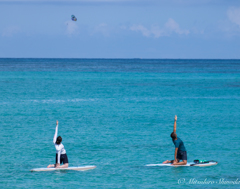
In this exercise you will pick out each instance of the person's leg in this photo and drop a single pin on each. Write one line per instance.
(182, 156)
(51, 165)
(64, 160)
(184, 162)
(175, 161)
(168, 161)
(63, 166)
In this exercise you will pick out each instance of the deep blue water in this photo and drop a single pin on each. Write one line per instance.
(118, 114)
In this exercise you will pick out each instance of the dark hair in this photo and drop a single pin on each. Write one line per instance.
(173, 135)
(59, 140)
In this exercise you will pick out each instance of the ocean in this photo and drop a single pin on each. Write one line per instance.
(118, 114)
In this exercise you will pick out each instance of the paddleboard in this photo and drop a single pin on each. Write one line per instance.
(211, 163)
(82, 168)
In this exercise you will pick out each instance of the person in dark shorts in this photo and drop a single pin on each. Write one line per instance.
(61, 156)
(180, 150)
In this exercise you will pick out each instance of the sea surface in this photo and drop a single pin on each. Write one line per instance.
(118, 114)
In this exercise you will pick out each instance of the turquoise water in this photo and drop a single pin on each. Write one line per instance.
(118, 115)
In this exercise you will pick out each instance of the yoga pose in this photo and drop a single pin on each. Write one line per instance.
(180, 150)
(61, 156)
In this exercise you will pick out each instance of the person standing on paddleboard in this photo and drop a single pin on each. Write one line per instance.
(61, 156)
(180, 150)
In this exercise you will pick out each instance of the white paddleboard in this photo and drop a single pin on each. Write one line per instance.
(188, 164)
(82, 168)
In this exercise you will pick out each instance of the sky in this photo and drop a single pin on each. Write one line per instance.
(172, 29)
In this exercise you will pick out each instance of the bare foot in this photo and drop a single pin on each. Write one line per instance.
(51, 165)
(165, 162)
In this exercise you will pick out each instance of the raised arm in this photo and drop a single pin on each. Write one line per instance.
(56, 132)
(175, 124)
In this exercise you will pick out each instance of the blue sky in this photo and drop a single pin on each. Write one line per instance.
(120, 29)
